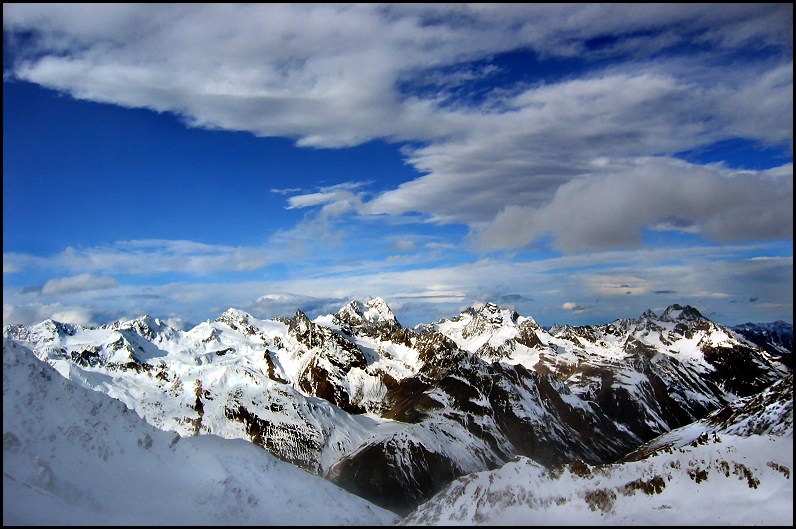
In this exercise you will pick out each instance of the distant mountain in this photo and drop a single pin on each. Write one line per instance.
(775, 338)
(76, 457)
(732, 468)
(395, 414)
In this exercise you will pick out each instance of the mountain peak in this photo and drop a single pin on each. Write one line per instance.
(379, 311)
(677, 312)
(649, 315)
(142, 321)
(55, 329)
(234, 315)
(492, 313)
(374, 310)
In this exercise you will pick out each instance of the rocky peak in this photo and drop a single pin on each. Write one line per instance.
(147, 326)
(16, 331)
(51, 330)
(238, 320)
(487, 318)
(622, 325)
(775, 338)
(528, 322)
(299, 324)
(776, 327)
(373, 311)
(236, 315)
(379, 312)
(648, 315)
(353, 313)
(526, 333)
(679, 313)
(493, 314)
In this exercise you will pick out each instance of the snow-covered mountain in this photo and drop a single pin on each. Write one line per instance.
(732, 468)
(72, 456)
(776, 338)
(499, 385)
(395, 414)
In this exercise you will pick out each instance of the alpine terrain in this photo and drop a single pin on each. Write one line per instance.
(485, 417)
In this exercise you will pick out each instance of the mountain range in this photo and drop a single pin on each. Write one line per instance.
(397, 415)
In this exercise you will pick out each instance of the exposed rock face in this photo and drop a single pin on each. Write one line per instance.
(327, 363)
(394, 414)
(769, 412)
(774, 338)
(743, 450)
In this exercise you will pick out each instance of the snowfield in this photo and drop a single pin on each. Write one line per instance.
(732, 481)
(72, 456)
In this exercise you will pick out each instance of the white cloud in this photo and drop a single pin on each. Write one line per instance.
(32, 313)
(331, 76)
(573, 307)
(610, 210)
(78, 283)
(585, 160)
(553, 135)
(148, 256)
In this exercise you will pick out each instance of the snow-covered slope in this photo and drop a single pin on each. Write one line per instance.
(74, 456)
(394, 414)
(735, 481)
(237, 377)
(734, 467)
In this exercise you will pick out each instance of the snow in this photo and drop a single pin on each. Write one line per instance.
(72, 456)
(733, 467)
(238, 378)
(241, 361)
(378, 311)
(741, 481)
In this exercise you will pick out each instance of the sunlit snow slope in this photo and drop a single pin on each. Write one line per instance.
(75, 456)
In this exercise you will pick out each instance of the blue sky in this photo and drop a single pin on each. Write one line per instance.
(577, 162)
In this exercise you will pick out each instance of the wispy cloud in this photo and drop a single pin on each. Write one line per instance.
(149, 256)
(286, 304)
(702, 277)
(78, 283)
(336, 200)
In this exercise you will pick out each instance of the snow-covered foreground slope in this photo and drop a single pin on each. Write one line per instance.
(744, 481)
(75, 456)
(733, 467)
